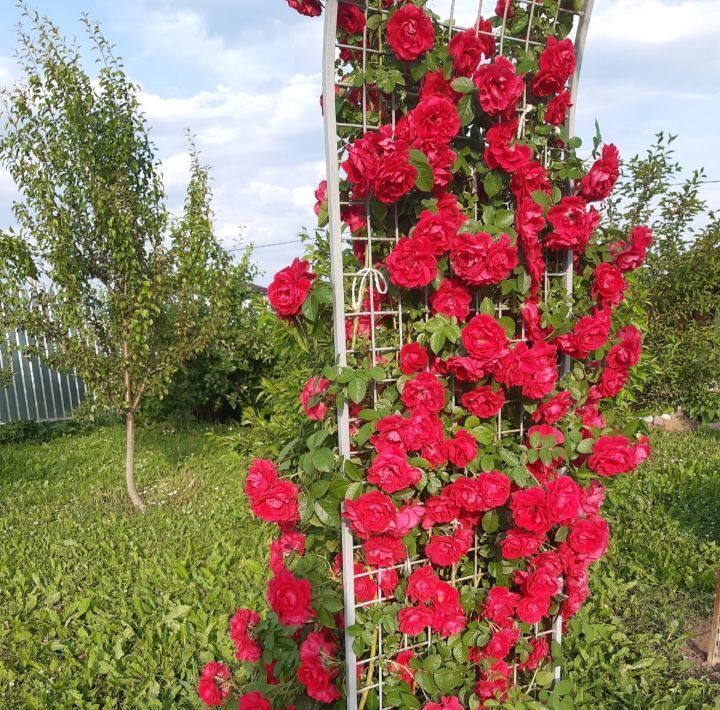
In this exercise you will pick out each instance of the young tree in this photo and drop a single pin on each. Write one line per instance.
(133, 293)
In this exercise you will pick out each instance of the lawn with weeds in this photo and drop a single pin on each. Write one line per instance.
(101, 607)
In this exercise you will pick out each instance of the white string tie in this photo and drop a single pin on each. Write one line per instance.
(521, 122)
(360, 283)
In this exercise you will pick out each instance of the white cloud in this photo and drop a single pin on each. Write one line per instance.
(655, 21)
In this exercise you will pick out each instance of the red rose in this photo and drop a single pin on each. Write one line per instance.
(499, 87)
(625, 353)
(530, 178)
(413, 358)
(502, 150)
(422, 429)
(289, 597)
(388, 433)
(283, 546)
(394, 178)
(289, 288)
(589, 538)
(414, 620)
(441, 158)
(554, 409)
(254, 700)
(465, 369)
(612, 380)
(519, 543)
(447, 550)
(533, 368)
(493, 682)
(461, 449)
(410, 33)
(440, 510)
(540, 650)
(448, 619)
(350, 19)
(391, 472)
(317, 671)
(246, 648)
(451, 299)
(531, 321)
(477, 495)
(213, 685)
(437, 229)
(532, 610)
(557, 108)
(564, 498)
(424, 393)
(577, 591)
(467, 48)
(321, 197)
(485, 340)
(407, 518)
(530, 510)
(309, 8)
(271, 499)
(556, 65)
(312, 392)
(612, 455)
(384, 551)
(370, 514)
(436, 118)
(499, 605)
(483, 401)
(504, 9)
(590, 333)
(600, 180)
(422, 585)
(500, 644)
(572, 224)
(435, 84)
(480, 260)
(411, 263)
(401, 665)
(630, 255)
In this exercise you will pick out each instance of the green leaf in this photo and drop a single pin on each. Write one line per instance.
(323, 459)
(465, 110)
(490, 521)
(357, 389)
(492, 184)
(586, 446)
(541, 198)
(463, 85)
(425, 179)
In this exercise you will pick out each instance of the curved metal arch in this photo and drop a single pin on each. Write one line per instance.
(338, 274)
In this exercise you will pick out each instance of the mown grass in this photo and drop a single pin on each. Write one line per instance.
(104, 608)
(101, 607)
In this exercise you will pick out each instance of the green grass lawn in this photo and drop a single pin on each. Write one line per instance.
(104, 608)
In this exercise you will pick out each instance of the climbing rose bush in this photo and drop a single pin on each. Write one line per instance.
(481, 439)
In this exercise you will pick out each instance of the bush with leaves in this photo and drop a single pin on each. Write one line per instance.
(680, 286)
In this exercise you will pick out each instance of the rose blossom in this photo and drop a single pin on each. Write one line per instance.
(485, 340)
(384, 551)
(422, 429)
(631, 254)
(446, 550)
(309, 8)
(271, 499)
(391, 472)
(447, 702)
(502, 150)
(254, 700)
(424, 393)
(572, 224)
(440, 510)
(289, 597)
(467, 48)
(410, 33)
(499, 605)
(532, 609)
(483, 401)
(411, 263)
(312, 390)
(499, 87)
(534, 368)
(414, 620)
(413, 358)
(612, 455)
(554, 409)
(436, 118)
(626, 352)
(435, 84)
(590, 333)
(212, 687)
(350, 19)
(437, 228)
(564, 500)
(422, 584)
(602, 176)
(589, 538)
(281, 547)
(394, 178)
(519, 543)
(530, 510)
(608, 286)
(479, 259)
(461, 449)
(289, 288)
(370, 514)
(557, 108)
(451, 299)
(556, 64)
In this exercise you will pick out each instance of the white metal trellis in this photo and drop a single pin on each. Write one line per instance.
(347, 309)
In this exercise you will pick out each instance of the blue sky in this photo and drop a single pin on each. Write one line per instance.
(243, 75)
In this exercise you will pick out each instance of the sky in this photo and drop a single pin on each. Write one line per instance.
(244, 77)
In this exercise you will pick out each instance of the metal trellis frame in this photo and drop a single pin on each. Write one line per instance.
(382, 323)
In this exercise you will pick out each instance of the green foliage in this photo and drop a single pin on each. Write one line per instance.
(102, 608)
(624, 648)
(680, 282)
(225, 377)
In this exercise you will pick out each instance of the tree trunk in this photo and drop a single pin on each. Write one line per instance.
(130, 463)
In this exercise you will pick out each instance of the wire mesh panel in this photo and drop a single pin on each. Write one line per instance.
(373, 320)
